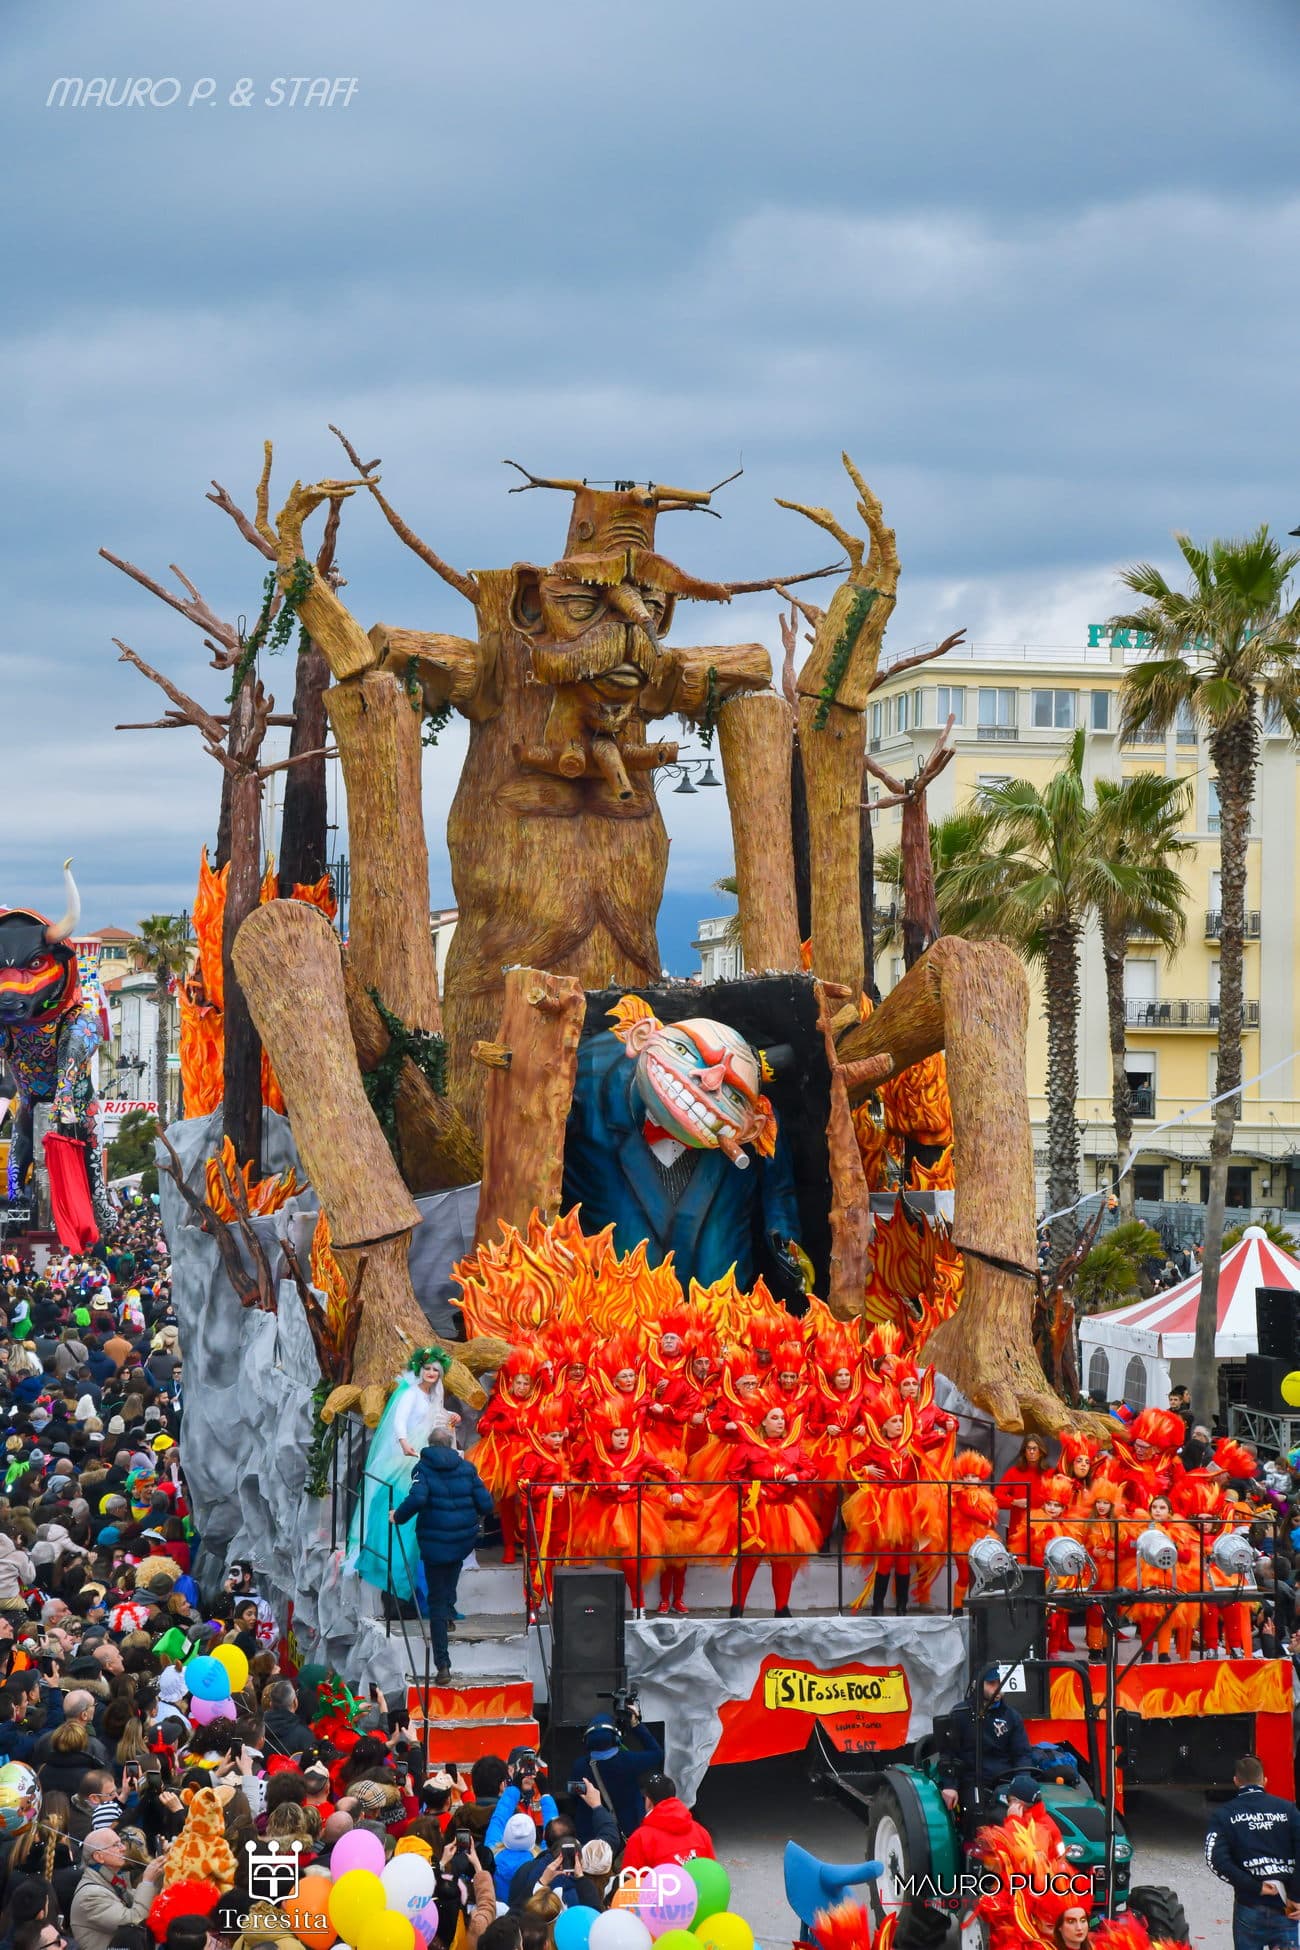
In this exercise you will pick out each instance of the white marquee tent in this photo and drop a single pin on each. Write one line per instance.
(1137, 1353)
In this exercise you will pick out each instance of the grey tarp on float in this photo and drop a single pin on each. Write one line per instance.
(687, 1671)
(444, 1235)
(248, 1380)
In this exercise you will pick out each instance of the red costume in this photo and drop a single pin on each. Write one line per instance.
(613, 1519)
(885, 1515)
(503, 1435)
(1019, 1489)
(770, 1515)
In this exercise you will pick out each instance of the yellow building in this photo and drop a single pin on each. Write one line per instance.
(1016, 710)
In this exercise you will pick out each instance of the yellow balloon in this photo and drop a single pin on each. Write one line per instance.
(725, 1931)
(355, 1899)
(1291, 1388)
(236, 1664)
(388, 1931)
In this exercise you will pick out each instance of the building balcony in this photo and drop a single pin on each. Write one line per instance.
(1214, 920)
(1143, 1101)
(997, 734)
(1183, 1013)
(1144, 735)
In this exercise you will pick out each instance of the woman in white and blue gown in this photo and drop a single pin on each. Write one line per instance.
(415, 1408)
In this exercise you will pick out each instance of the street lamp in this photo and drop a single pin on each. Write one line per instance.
(687, 770)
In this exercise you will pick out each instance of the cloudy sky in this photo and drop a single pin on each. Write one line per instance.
(1035, 265)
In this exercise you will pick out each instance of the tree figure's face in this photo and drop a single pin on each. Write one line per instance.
(699, 1082)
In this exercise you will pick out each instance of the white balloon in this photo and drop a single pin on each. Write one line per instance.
(408, 1882)
(619, 1929)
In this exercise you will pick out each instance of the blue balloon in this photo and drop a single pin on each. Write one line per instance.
(572, 1927)
(207, 1679)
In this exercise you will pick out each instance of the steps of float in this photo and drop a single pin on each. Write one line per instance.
(491, 1714)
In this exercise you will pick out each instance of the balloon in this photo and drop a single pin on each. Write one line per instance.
(667, 1900)
(20, 1798)
(204, 1711)
(426, 1921)
(408, 1882)
(235, 1663)
(714, 1885)
(724, 1930)
(390, 1930)
(679, 1940)
(572, 1927)
(1291, 1388)
(618, 1929)
(358, 1849)
(357, 1896)
(207, 1679)
(308, 1913)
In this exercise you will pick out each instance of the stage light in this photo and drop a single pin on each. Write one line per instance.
(1066, 1558)
(992, 1566)
(1156, 1552)
(1232, 1555)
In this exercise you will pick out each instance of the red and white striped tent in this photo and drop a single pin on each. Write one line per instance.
(1148, 1338)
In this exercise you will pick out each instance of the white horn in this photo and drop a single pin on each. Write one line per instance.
(60, 930)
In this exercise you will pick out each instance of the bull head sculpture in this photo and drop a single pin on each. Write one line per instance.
(38, 972)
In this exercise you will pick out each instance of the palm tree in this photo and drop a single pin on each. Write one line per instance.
(162, 948)
(1138, 823)
(1225, 651)
(1035, 884)
(730, 885)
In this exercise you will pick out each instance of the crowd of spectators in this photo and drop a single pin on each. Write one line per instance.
(99, 1616)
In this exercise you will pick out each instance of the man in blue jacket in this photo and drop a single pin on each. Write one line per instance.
(1254, 1844)
(447, 1500)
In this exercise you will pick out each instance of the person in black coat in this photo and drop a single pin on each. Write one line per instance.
(448, 1500)
(616, 1768)
(1003, 1749)
(1253, 1843)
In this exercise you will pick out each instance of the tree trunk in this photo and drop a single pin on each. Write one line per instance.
(531, 1071)
(436, 1150)
(920, 918)
(242, 1061)
(1234, 753)
(971, 999)
(303, 827)
(867, 889)
(1113, 946)
(755, 736)
(162, 1003)
(832, 765)
(800, 841)
(1061, 982)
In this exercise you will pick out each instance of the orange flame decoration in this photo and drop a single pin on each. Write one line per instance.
(916, 1101)
(1267, 1690)
(846, 1927)
(327, 1276)
(518, 1286)
(202, 997)
(264, 1196)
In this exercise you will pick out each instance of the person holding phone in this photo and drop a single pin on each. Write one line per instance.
(549, 1871)
(512, 1832)
(459, 1895)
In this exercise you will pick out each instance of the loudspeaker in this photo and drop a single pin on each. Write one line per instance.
(1277, 1324)
(1264, 1376)
(588, 1663)
(1193, 1752)
(1007, 1630)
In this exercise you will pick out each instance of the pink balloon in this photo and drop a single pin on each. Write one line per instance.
(204, 1711)
(664, 1899)
(425, 1921)
(358, 1849)
(420, 1937)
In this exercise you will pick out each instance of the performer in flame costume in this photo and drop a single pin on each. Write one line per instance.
(503, 1436)
(770, 1514)
(887, 1514)
(1020, 1489)
(611, 1522)
(544, 1473)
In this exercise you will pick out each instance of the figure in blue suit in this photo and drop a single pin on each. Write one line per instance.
(678, 1147)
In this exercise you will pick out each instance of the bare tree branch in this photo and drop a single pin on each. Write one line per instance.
(212, 728)
(283, 764)
(779, 582)
(196, 610)
(919, 657)
(246, 528)
(465, 585)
